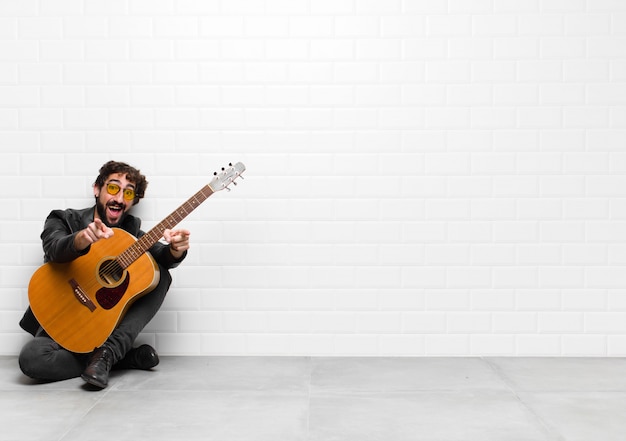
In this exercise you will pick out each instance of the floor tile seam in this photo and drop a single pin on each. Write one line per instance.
(570, 392)
(80, 419)
(311, 393)
(38, 391)
(547, 428)
(311, 365)
(61, 386)
(196, 391)
(510, 383)
(405, 393)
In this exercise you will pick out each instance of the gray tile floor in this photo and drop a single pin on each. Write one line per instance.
(327, 399)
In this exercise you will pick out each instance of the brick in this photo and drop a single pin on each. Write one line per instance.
(500, 345)
(43, 119)
(357, 26)
(38, 28)
(515, 277)
(537, 345)
(575, 345)
(266, 26)
(449, 25)
(332, 7)
(287, 7)
(468, 322)
(447, 345)
(310, 26)
(59, 50)
(541, 24)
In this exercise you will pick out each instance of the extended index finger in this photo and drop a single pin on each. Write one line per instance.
(99, 224)
(102, 229)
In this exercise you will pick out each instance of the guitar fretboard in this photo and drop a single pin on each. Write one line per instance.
(143, 244)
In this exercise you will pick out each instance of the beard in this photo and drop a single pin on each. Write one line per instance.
(119, 209)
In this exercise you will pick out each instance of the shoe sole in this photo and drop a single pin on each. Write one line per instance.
(94, 382)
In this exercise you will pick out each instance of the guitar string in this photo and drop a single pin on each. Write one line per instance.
(113, 266)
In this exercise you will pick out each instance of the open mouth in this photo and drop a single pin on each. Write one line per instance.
(114, 212)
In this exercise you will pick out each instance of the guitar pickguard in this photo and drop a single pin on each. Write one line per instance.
(108, 298)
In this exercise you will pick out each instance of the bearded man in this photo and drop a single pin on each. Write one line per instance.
(69, 234)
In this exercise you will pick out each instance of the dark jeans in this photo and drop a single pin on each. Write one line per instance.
(43, 359)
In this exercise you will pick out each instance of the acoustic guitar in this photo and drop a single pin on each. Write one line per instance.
(80, 303)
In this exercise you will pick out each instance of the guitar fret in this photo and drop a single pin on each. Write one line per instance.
(143, 244)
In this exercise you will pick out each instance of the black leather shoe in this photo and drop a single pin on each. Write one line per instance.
(98, 368)
(144, 357)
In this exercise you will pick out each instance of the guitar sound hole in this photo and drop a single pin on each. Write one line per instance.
(111, 272)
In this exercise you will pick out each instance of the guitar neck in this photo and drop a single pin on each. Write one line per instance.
(146, 241)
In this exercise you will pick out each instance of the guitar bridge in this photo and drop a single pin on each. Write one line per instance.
(81, 295)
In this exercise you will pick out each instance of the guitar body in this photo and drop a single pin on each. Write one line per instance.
(80, 303)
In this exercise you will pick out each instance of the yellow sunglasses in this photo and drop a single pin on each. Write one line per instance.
(113, 188)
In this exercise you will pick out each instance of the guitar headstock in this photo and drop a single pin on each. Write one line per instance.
(227, 176)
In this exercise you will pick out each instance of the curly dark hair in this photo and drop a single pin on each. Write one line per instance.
(132, 174)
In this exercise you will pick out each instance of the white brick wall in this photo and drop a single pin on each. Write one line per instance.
(425, 177)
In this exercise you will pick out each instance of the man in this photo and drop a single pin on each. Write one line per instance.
(69, 234)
